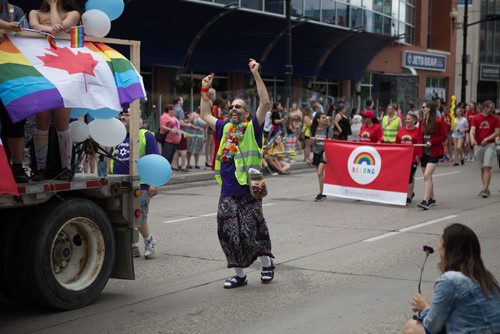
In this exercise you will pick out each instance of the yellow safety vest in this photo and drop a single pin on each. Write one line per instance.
(390, 130)
(247, 149)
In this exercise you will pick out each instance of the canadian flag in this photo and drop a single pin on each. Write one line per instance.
(7, 184)
(375, 172)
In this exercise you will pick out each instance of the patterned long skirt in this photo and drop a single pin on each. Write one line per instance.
(242, 230)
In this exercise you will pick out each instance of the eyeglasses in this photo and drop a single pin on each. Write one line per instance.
(236, 106)
(424, 106)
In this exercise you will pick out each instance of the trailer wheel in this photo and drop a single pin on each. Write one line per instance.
(71, 254)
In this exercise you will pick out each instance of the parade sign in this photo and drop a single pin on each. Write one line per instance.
(424, 61)
(375, 172)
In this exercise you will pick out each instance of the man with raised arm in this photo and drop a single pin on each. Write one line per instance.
(241, 226)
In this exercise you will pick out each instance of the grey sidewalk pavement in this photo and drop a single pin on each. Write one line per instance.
(206, 173)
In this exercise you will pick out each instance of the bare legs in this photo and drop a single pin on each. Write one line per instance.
(486, 177)
(320, 171)
(459, 154)
(428, 186)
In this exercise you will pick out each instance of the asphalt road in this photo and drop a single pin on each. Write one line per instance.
(343, 266)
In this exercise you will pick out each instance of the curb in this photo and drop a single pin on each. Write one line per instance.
(209, 175)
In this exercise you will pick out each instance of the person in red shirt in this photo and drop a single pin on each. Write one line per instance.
(409, 135)
(471, 110)
(485, 127)
(370, 131)
(432, 133)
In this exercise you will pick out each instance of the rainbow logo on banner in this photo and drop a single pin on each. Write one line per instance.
(76, 37)
(366, 158)
(364, 164)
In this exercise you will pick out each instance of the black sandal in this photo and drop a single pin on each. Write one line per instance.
(235, 282)
(267, 274)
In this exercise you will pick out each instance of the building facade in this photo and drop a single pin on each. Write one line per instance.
(391, 51)
(483, 51)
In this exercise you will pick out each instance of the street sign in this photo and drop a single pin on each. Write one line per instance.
(489, 72)
(424, 61)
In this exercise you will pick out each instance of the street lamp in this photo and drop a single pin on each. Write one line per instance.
(465, 26)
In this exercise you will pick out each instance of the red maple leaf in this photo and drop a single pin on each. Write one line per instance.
(72, 63)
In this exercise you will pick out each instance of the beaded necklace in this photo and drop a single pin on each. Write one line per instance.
(231, 139)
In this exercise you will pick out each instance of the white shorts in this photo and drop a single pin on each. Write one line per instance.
(485, 155)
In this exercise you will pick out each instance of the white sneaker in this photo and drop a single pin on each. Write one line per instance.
(149, 247)
(135, 251)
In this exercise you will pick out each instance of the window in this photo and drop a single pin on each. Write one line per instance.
(275, 6)
(387, 25)
(388, 7)
(312, 9)
(342, 14)
(356, 18)
(378, 6)
(395, 9)
(368, 21)
(252, 4)
(328, 12)
(297, 7)
(378, 23)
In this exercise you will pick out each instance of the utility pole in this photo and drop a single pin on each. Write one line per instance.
(464, 51)
(288, 53)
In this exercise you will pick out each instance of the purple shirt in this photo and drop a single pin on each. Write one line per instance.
(122, 153)
(230, 185)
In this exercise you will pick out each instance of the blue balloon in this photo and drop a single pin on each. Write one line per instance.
(104, 113)
(112, 8)
(78, 112)
(154, 169)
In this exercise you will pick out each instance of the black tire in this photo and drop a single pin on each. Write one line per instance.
(69, 254)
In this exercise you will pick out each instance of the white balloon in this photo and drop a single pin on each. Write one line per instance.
(96, 23)
(79, 131)
(108, 132)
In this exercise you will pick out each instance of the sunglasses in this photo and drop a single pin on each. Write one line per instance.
(236, 106)
(424, 106)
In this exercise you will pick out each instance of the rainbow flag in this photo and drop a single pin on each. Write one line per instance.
(51, 39)
(36, 78)
(77, 37)
(128, 81)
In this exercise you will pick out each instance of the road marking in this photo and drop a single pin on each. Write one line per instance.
(410, 228)
(442, 174)
(200, 216)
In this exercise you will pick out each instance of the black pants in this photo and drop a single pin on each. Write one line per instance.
(168, 151)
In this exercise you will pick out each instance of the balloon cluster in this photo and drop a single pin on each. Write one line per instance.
(99, 14)
(107, 130)
(452, 111)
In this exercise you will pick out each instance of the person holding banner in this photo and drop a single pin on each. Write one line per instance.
(485, 127)
(370, 131)
(241, 227)
(432, 133)
(320, 130)
(409, 135)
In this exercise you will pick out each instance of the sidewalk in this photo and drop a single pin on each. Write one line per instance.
(207, 174)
